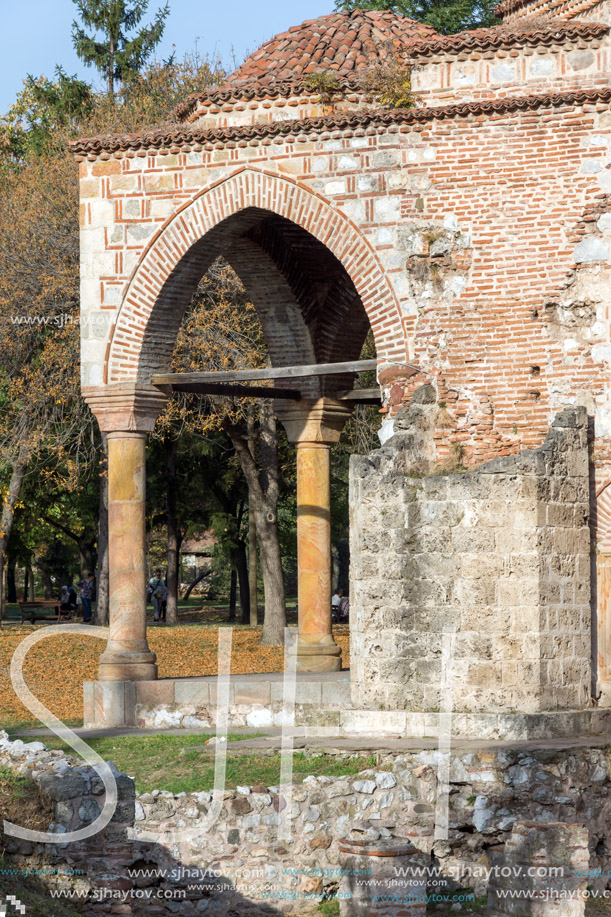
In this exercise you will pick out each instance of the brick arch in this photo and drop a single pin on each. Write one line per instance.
(168, 270)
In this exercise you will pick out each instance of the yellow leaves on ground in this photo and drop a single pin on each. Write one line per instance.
(56, 668)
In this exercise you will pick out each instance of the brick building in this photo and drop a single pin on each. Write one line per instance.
(470, 232)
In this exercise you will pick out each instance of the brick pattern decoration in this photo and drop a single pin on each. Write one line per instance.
(181, 252)
(514, 10)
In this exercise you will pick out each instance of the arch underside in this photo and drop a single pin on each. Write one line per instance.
(314, 280)
(310, 311)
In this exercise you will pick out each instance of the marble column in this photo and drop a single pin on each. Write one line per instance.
(603, 576)
(314, 426)
(126, 413)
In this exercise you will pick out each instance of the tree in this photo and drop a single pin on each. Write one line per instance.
(221, 330)
(116, 55)
(43, 109)
(446, 16)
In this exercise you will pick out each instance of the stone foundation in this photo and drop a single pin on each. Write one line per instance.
(233, 868)
(501, 555)
(190, 703)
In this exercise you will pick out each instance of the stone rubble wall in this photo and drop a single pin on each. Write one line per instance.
(241, 859)
(77, 795)
(501, 554)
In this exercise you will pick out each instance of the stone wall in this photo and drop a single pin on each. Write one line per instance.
(241, 867)
(500, 554)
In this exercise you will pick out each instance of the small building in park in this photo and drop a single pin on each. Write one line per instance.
(453, 195)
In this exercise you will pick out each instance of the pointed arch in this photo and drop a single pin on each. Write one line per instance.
(206, 227)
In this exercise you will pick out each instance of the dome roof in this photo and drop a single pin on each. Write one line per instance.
(340, 43)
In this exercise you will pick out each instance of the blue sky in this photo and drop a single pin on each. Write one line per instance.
(36, 33)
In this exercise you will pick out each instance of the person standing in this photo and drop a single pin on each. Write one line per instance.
(157, 592)
(87, 587)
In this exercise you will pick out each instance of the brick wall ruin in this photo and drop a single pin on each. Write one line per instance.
(502, 554)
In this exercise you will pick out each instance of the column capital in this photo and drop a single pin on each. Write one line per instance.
(125, 407)
(313, 420)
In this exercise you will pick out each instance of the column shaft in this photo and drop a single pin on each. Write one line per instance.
(127, 656)
(603, 564)
(316, 649)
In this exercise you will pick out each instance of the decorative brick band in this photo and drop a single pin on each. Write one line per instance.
(560, 8)
(345, 122)
(477, 40)
(170, 268)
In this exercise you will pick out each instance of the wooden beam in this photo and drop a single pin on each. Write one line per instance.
(276, 372)
(360, 396)
(239, 391)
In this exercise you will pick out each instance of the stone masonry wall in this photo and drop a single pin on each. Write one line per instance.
(500, 554)
(241, 868)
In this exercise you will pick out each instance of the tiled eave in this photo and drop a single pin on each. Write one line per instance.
(479, 41)
(344, 123)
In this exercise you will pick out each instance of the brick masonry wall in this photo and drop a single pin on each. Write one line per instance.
(500, 554)
(474, 242)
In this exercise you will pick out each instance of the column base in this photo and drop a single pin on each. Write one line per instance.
(120, 664)
(317, 653)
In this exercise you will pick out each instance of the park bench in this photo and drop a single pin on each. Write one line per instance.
(31, 612)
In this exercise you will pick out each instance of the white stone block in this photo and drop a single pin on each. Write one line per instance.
(367, 183)
(335, 187)
(591, 166)
(503, 73)
(102, 214)
(387, 209)
(591, 249)
(542, 67)
(348, 162)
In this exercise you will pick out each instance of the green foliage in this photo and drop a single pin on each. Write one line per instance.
(43, 109)
(390, 83)
(446, 16)
(115, 54)
(324, 83)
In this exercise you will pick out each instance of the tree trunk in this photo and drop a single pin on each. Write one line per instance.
(6, 523)
(274, 620)
(101, 602)
(241, 563)
(263, 492)
(252, 541)
(50, 589)
(11, 585)
(172, 529)
(197, 580)
(233, 590)
(86, 554)
(31, 595)
(26, 584)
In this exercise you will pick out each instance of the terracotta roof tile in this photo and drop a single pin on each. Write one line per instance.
(333, 40)
(342, 121)
(531, 32)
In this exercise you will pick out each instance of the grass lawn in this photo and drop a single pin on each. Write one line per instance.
(171, 763)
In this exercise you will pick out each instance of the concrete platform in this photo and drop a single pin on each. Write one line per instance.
(322, 705)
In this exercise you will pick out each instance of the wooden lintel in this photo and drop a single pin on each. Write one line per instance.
(360, 396)
(276, 372)
(237, 391)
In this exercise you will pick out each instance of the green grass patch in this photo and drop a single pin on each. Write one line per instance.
(171, 763)
(329, 907)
